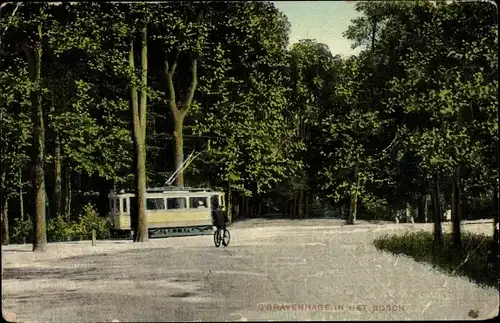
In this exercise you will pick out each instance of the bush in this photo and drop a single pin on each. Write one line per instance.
(59, 229)
(470, 261)
(21, 231)
(372, 208)
(89, 220)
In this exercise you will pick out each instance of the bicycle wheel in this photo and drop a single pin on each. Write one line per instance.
(217, 238)
(225, 238)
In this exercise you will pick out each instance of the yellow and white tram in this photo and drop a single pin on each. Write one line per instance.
(169, 211)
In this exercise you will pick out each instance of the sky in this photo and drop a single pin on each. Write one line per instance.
(324, 21)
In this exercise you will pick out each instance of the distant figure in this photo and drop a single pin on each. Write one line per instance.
(201, 204)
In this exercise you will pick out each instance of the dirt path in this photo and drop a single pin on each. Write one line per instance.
(316, 271)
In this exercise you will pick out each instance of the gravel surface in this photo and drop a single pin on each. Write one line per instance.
(272, 270)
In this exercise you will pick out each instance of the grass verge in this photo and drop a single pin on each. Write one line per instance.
(471, 260)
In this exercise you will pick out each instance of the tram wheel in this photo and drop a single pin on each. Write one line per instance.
(226, 237)
(217, 238)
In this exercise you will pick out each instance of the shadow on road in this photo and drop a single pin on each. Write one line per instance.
(28, 273)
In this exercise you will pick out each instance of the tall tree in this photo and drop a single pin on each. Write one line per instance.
(139, 111)
(114, 54)
(244, 91)
(181, 31)
(35, 22)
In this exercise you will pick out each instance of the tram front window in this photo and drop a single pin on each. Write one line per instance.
(116, 205)
(215, 202)
(197, 202)
(124, 205)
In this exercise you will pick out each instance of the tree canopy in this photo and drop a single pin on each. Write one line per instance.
(282, 128)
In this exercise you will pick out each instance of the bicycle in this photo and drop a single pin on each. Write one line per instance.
(221, 235)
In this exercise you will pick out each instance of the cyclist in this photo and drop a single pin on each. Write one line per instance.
(220, 219)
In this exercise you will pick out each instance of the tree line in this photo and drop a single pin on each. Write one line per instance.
(101, 96)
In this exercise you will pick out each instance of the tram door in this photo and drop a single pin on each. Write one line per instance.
(214, 201)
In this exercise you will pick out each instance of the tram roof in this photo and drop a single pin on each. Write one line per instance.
(169, 189)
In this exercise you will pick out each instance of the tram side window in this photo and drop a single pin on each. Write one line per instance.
(155, 204)
(176, 203)
(124, 205)
(197, 202)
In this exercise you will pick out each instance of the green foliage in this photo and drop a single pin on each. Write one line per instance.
(470, 261)
(21, 231)
(61, 228)
(430, 86)
(14, 127)
(374, 208)
(416, 103)
(90, 220)
(99, 145)
(244, 98)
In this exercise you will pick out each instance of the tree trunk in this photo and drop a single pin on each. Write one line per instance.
(139, 113)
(417, 211)
(472, 208)
(247, 208)
(243, 204)
(301, 204)
(426, 208)
(229, 205)
(306, 205)
(237, 206)
(294, 206)
(354, 197)
(38, 177)
(253, 207)
(21, 199)
(455, 209)
(179, 148)
(259, 210)
(495, 245)
(57, 198)
(141, 233)
(67, 191)
(420, 209)
(242, 210)
(5, 222)
(438, 232)
(180, 112)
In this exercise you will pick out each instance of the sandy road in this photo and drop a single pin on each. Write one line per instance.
(317, 270)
